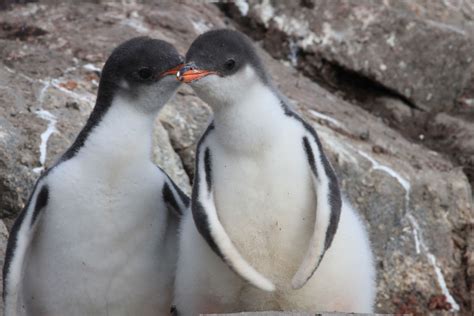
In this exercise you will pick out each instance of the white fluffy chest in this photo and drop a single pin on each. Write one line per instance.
(99, 241)
(106, 200)
(266, 203)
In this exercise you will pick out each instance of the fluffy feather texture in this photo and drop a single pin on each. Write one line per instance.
(266, 198)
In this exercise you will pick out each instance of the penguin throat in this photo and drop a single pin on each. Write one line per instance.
(123, 132)
(253, 123)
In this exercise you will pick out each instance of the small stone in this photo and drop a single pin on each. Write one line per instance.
(70, 85)
(378, 149)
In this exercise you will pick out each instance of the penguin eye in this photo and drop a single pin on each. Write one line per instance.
(145, 73)
(229, 64)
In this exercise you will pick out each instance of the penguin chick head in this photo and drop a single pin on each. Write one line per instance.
(143, 71)
(221, 65)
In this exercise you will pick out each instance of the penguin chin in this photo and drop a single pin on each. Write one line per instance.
(220, 91)
(210, 90)
(153, 97)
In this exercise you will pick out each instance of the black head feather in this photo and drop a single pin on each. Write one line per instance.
(225, 52)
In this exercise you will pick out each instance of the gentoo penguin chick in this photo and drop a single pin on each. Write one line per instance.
(269, 229)
(98, 235)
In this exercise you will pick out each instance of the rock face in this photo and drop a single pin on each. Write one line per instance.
(416, 203)
(377, 40)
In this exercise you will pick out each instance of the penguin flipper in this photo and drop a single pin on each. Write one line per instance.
(18, 245)
(328, 208)
(175, 199)
(209, 226)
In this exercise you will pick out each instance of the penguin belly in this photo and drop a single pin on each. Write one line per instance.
(267, 205)
(343, 282)
(97, 248)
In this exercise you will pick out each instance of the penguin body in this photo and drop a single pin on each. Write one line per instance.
(99, 233)
(276, 233)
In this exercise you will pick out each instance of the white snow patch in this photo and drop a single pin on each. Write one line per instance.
(292, 26)
(432, 260)
(383, 67)
(417, 240)
(454, 4)
(330, 34)
(200, 26)
(325, 117)
(469, 101)
(42, 92)
(420, 244)
(446, 27)
(27, 78)
(264, 11)
(135, 21)
(337, 146)
(91, 67)
(328, 37)
(293, 54)
(30, 10)
(377, 166)
(391, 40)
(9, 70)
(442, 283)
(364, 15)
(243, 7)
(309, 40)
(47, 116)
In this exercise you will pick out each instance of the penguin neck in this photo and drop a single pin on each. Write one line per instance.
(124, 132)
(253, 122)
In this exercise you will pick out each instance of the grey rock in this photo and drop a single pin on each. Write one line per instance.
(453, 134)
(377, 40)
(165, 157)
(3, 248)
(185, 119)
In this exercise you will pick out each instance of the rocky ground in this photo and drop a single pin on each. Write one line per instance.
(388, 85)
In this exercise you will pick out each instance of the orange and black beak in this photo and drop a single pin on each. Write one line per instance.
(173, 71)
(190, 73)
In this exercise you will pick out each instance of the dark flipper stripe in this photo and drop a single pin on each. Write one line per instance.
(335, 201)
(169, 196)
(199, 214)
(310, 156)
(334, 196)
(208, 168)
(40, 203)
(174, 311)
(202, 225)
(183, 196)
(170, 200)
(334, 192)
